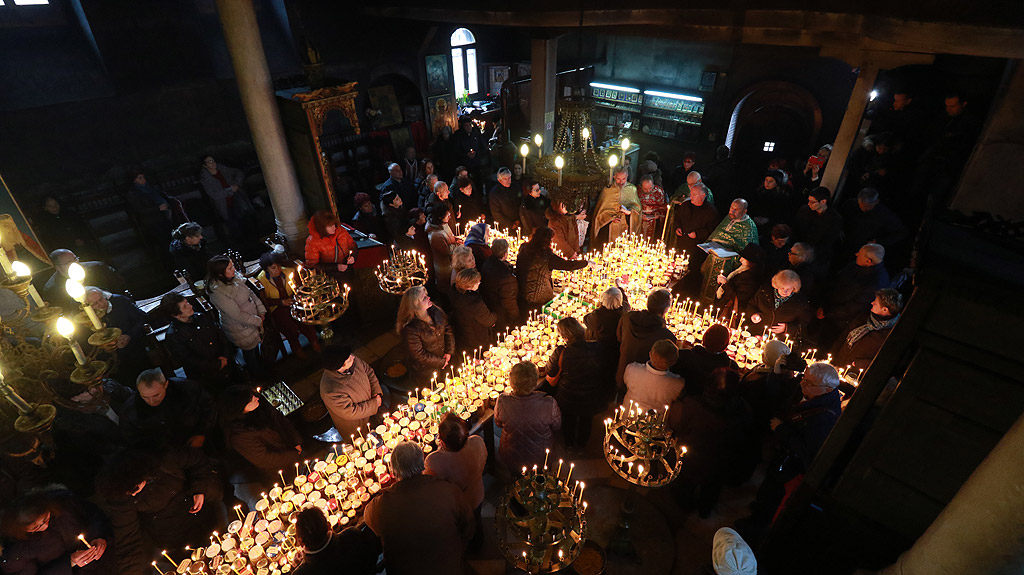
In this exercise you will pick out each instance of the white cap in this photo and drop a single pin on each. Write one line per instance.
(731, 555)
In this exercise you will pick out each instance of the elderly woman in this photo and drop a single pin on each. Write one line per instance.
(426, 334)
(780, 306)
(460, 459)
(241, 311)
(260, 439)
(329, 248)
(582, 386)
(278, 297)
(462, 259)
(189, 250)
(478, 238)
(802, 261)
(121, 312)
(472, 319)
(528, 420)
(442, 245)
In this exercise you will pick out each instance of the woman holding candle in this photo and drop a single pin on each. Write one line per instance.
(260, 441)
(460, 459)
(426, 334)
(468, 201)
(329, 248)
(278, 297)
(50, 532)
(241, 311)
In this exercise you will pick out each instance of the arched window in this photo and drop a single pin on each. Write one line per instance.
(464, 62)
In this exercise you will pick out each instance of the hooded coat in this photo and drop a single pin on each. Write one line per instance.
(240, 311)
(637, 332)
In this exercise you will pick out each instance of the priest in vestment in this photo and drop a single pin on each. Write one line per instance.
(734, 233)
(618, 211)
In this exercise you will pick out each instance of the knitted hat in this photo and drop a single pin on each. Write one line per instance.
(731, 555)
(716, 338)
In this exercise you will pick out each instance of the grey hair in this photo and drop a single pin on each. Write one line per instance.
(822, 375)
(700, 187)
(787, 278)
(504, 172)
(149, 377)
(875, 251)
(438, 185)
(392, 166)
(523, 377)
(407, 460)
(431, 177)
(803, 251)
(611, 298)
(93, 289)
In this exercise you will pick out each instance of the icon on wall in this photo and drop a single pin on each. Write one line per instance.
(497, 76)
(437, 74)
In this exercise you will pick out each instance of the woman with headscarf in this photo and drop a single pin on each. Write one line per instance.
(479, 239)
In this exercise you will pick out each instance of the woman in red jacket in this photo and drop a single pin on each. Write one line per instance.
(329, 248)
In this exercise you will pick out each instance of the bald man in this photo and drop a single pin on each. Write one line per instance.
(693, 179)
(97, 274)
(735, 231)
(852, 292)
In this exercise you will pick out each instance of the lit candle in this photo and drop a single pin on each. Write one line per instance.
(559, 468)
(559, 164)
(537, 139)
(281, 473)
(81, 537)
(613, 160)
(571, 467)
(580, 493)
(164, 553)
(67, 329)
(154, 562)
(547, 452)
(524, 151)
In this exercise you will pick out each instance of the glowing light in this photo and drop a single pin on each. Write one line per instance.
(20, 269)
(76, 272)
(65, 327)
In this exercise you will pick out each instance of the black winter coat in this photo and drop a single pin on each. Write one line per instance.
(820, 230)
(187, 410)
(191, 259)
(159, 514)
(741, 288)
(713, 435)
(473, 321)
(806, 426)
(197, 345)
(696, 364)
(533, 270)
(853, 291)
(583, 384)
(505, 205)
(49, 552)
(500, 289)
(637, 331)
(794, 312)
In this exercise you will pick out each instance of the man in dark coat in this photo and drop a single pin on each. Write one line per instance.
(697, 363)
(639, 329)
(168, 412)
(499, 287)
(97, 274)
(423, 522)
(852, 292)
(470, 146)
(160, 501)
(398, 183)
(858, 345)
(121, 312)
(504, 200)
(152, 213)
(195, 341)
(867, 220)
(818, 224)
(356, 548)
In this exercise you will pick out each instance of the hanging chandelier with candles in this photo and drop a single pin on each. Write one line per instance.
(574, 172)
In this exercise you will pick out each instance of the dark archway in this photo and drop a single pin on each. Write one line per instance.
(776, 111)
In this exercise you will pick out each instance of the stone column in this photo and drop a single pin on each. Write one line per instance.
(543, 66)
(242, 34)
(982, 529)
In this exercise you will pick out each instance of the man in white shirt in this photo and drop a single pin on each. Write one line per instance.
(651, 385)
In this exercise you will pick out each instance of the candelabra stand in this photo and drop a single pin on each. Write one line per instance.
(639, 447)
(541, 522)
(403, 270)
(319, 300)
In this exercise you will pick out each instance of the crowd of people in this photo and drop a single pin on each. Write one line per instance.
(151, 465)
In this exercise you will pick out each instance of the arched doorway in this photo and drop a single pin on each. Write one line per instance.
(772, 120)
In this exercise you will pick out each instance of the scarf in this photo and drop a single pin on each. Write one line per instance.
(874, 323)
(779, 300)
